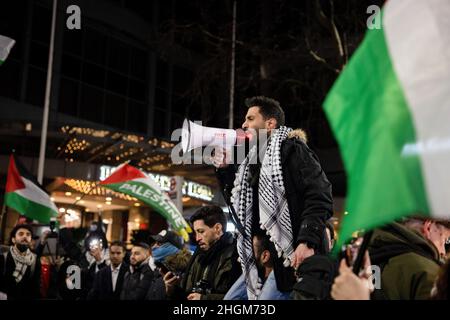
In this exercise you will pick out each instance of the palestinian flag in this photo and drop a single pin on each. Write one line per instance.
(26, 196)
(390, 113)
(6, 45)
(129, 180)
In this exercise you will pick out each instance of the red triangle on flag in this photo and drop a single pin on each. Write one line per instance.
(14, 181)
(123, 174)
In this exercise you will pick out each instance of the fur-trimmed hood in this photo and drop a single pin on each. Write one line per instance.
(298, 134)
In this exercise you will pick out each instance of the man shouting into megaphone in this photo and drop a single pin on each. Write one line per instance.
(279, 190)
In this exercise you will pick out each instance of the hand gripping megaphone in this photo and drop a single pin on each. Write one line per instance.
(194, 136)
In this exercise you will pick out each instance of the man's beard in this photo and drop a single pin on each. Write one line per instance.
(258, 134)
(260, 140)
(22, 247)
(138, 264)
(261, 271)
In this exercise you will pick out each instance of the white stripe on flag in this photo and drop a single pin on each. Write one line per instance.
(6, 45)
(35, 194)
(418, 38)
(148, 181)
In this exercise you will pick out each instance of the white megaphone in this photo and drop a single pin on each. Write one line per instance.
(194, 136)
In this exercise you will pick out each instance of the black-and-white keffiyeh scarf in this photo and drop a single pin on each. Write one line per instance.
(22, 263)
(273, 209)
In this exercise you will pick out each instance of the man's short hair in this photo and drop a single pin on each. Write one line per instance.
(16, 228)
(264, 242)
(144, 245)
(422, 219)
(268, 107)
(210, 215)
(118, 244)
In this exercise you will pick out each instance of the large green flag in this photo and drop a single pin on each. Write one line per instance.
(390, 113)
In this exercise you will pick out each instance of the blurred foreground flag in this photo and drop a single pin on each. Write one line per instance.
(390, 113)
(130, 180)
(25, 195)
(6, 45)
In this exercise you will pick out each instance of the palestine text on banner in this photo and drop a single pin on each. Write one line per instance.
(24, 195)
(6, 45)
(129, 180)
(390, 113)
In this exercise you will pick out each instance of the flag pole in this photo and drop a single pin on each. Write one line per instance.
(3, 213)
(361, 252)
(2, 222)
(48, 88)
(233, 70)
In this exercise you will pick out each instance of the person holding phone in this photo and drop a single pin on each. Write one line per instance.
(109, 280)
(175, 264)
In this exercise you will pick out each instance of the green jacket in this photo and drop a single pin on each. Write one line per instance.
(409, 263)
(218, 267)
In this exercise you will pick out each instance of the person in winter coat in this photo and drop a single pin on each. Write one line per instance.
(213, 268)
(408, 255)
(138, 279)
(177, 263)
(285, 192)
(19, 267)
(109, 280)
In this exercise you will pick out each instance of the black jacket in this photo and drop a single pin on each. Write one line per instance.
(137, 284)
(308, 194)
(102, 288)
(315, 278)
(90, 274)
(218, 268)
(157, 290)
(28, 288)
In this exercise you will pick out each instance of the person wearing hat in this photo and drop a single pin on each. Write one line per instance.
(139, 277)
(19, 267)
(409, 253)
(167, 262)
(165, 244)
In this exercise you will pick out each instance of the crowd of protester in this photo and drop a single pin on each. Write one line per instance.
(281, 205)
(411, 255)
